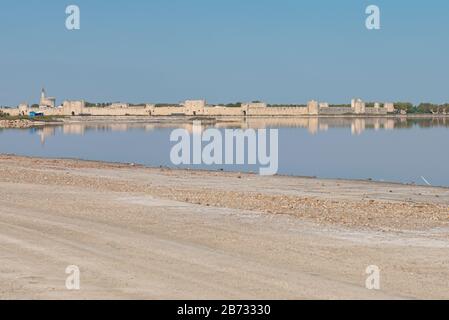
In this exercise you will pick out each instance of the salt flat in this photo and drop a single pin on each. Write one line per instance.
(138, 232)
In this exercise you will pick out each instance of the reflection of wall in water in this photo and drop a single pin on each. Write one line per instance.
(358, 126)
(46, 132)
(73, 129)
(312, 124)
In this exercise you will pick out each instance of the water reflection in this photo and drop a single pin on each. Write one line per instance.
(313, 125)
(384, 149)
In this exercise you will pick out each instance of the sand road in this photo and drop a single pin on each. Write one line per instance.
(165, 234)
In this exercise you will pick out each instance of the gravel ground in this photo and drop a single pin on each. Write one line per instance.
(20, 123)
(148, 233)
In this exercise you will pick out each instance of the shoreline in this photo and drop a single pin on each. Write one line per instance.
(183, 119)
(20, 124)
(369, 194)
(219, 171)
(155, 233)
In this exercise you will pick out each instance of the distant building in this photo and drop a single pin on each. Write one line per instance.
(73, 108)
(313, 107)
(47, 106)
(254, 105)
(23, 109)
(119, 105)
(194, 104)
(194, 107)
(389, 106)
(47, 102)
(358, 106)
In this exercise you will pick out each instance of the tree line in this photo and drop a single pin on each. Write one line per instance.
(425, 107)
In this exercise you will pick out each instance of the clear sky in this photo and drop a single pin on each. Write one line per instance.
(280, 51)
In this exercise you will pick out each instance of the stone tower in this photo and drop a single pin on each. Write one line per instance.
(47, 101)
(313, 107)
(358, 106)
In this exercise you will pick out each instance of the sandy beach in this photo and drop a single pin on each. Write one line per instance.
(151, 233)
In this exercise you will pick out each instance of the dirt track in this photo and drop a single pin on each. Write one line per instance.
(153, 233)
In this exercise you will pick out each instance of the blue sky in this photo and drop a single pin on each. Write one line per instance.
(280, 51)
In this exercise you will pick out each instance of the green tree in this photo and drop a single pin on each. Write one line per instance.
(407, 106)
(234, 105)
(427, 107)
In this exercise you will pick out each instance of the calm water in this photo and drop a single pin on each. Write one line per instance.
(396, 150)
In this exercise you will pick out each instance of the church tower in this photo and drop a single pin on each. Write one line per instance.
(47, 101)
(43, 94)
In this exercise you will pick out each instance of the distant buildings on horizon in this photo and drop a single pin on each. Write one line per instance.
(47, 106)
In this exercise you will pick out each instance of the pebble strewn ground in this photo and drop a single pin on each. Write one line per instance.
(20, 123)
(142, 233)
(356, 209)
